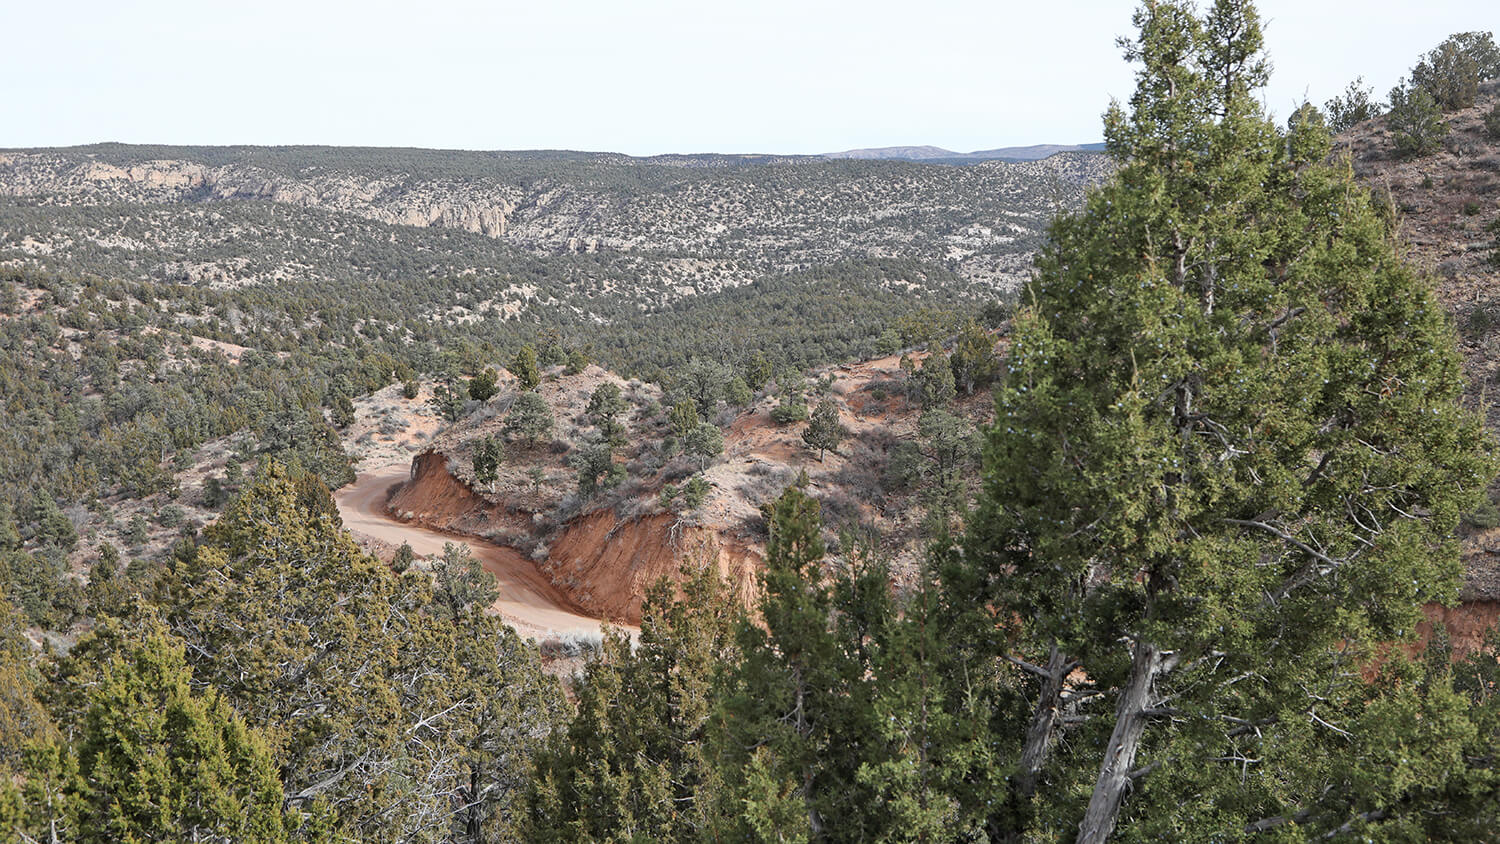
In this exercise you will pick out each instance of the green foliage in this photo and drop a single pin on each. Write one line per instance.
(695, 492)
(925, 326)
(23, 720)
(973, 360)
(410, 389)
(1492, 123)
(995, 314)
(632, 764)
(489, 453)
(448, 400)
(340, 410)
(403, 558)
(1353, 106)
(1416, 121)
(597, 469)
(550, 348)
(524, 367)
(834, 724)
(156, 761)
(577, 362)
(933, 385)
(136, 532)
(1452, 71)
(702, 382)
(391, 700)
(296, 438)
(460, 582)
(791, 407)
(684, 417)
(703, 442)
(1484, 516)
(790, 410)
(758, 370)
(530, 418)
(38, 585)
(483, 387)
(824, 432)
(737, 392)
(1228, 457)
(10, 534)
(605, 403)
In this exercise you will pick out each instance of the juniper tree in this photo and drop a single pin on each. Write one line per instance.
(632, 765)
(483, 387)
(155, 761)
(530, 418)
(489, 453)
(370, 687)
(823, 431)
(524, 367)
(1228, 454)
(1416, 121)
(1352, 107)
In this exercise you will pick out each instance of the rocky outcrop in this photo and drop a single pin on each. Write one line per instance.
(441, 204)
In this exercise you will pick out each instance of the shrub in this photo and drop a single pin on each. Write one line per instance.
(1484, 516)
(1416, 121)
(1353, 106)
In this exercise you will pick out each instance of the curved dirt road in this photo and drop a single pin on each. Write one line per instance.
(527, 600)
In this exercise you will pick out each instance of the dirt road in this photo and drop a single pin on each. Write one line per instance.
(527, 600)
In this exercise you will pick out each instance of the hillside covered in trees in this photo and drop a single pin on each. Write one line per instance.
(1159, 549)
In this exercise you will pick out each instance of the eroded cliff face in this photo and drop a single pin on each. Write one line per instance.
(602, 562)
(606, 564)
(455, 204)
(1468, 624)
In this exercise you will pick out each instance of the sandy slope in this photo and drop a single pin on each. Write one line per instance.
(527, 600)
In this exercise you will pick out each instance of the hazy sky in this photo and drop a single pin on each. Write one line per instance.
(635, 76)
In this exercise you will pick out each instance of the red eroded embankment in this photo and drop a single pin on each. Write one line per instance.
(527, 599)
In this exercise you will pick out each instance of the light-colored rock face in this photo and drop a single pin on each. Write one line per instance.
(65, 180)
(747, 218)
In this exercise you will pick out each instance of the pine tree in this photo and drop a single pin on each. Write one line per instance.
(1228, 454)
(524, 367)
(530, 418)
(798, 715)
(483, 387)
(158, 762)
(489, 453)
(824, 432)
(632, 765)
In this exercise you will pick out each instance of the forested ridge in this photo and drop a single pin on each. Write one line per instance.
(1170, 589)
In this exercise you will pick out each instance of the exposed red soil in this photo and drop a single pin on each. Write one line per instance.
(607, 564)
(528, 600)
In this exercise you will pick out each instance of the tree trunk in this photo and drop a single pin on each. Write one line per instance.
(1043, 723)
(1119, 757)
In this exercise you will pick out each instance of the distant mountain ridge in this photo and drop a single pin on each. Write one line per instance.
(938, 155)
(609, 230)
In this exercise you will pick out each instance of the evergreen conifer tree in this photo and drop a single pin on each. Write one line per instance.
(1228, 455)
